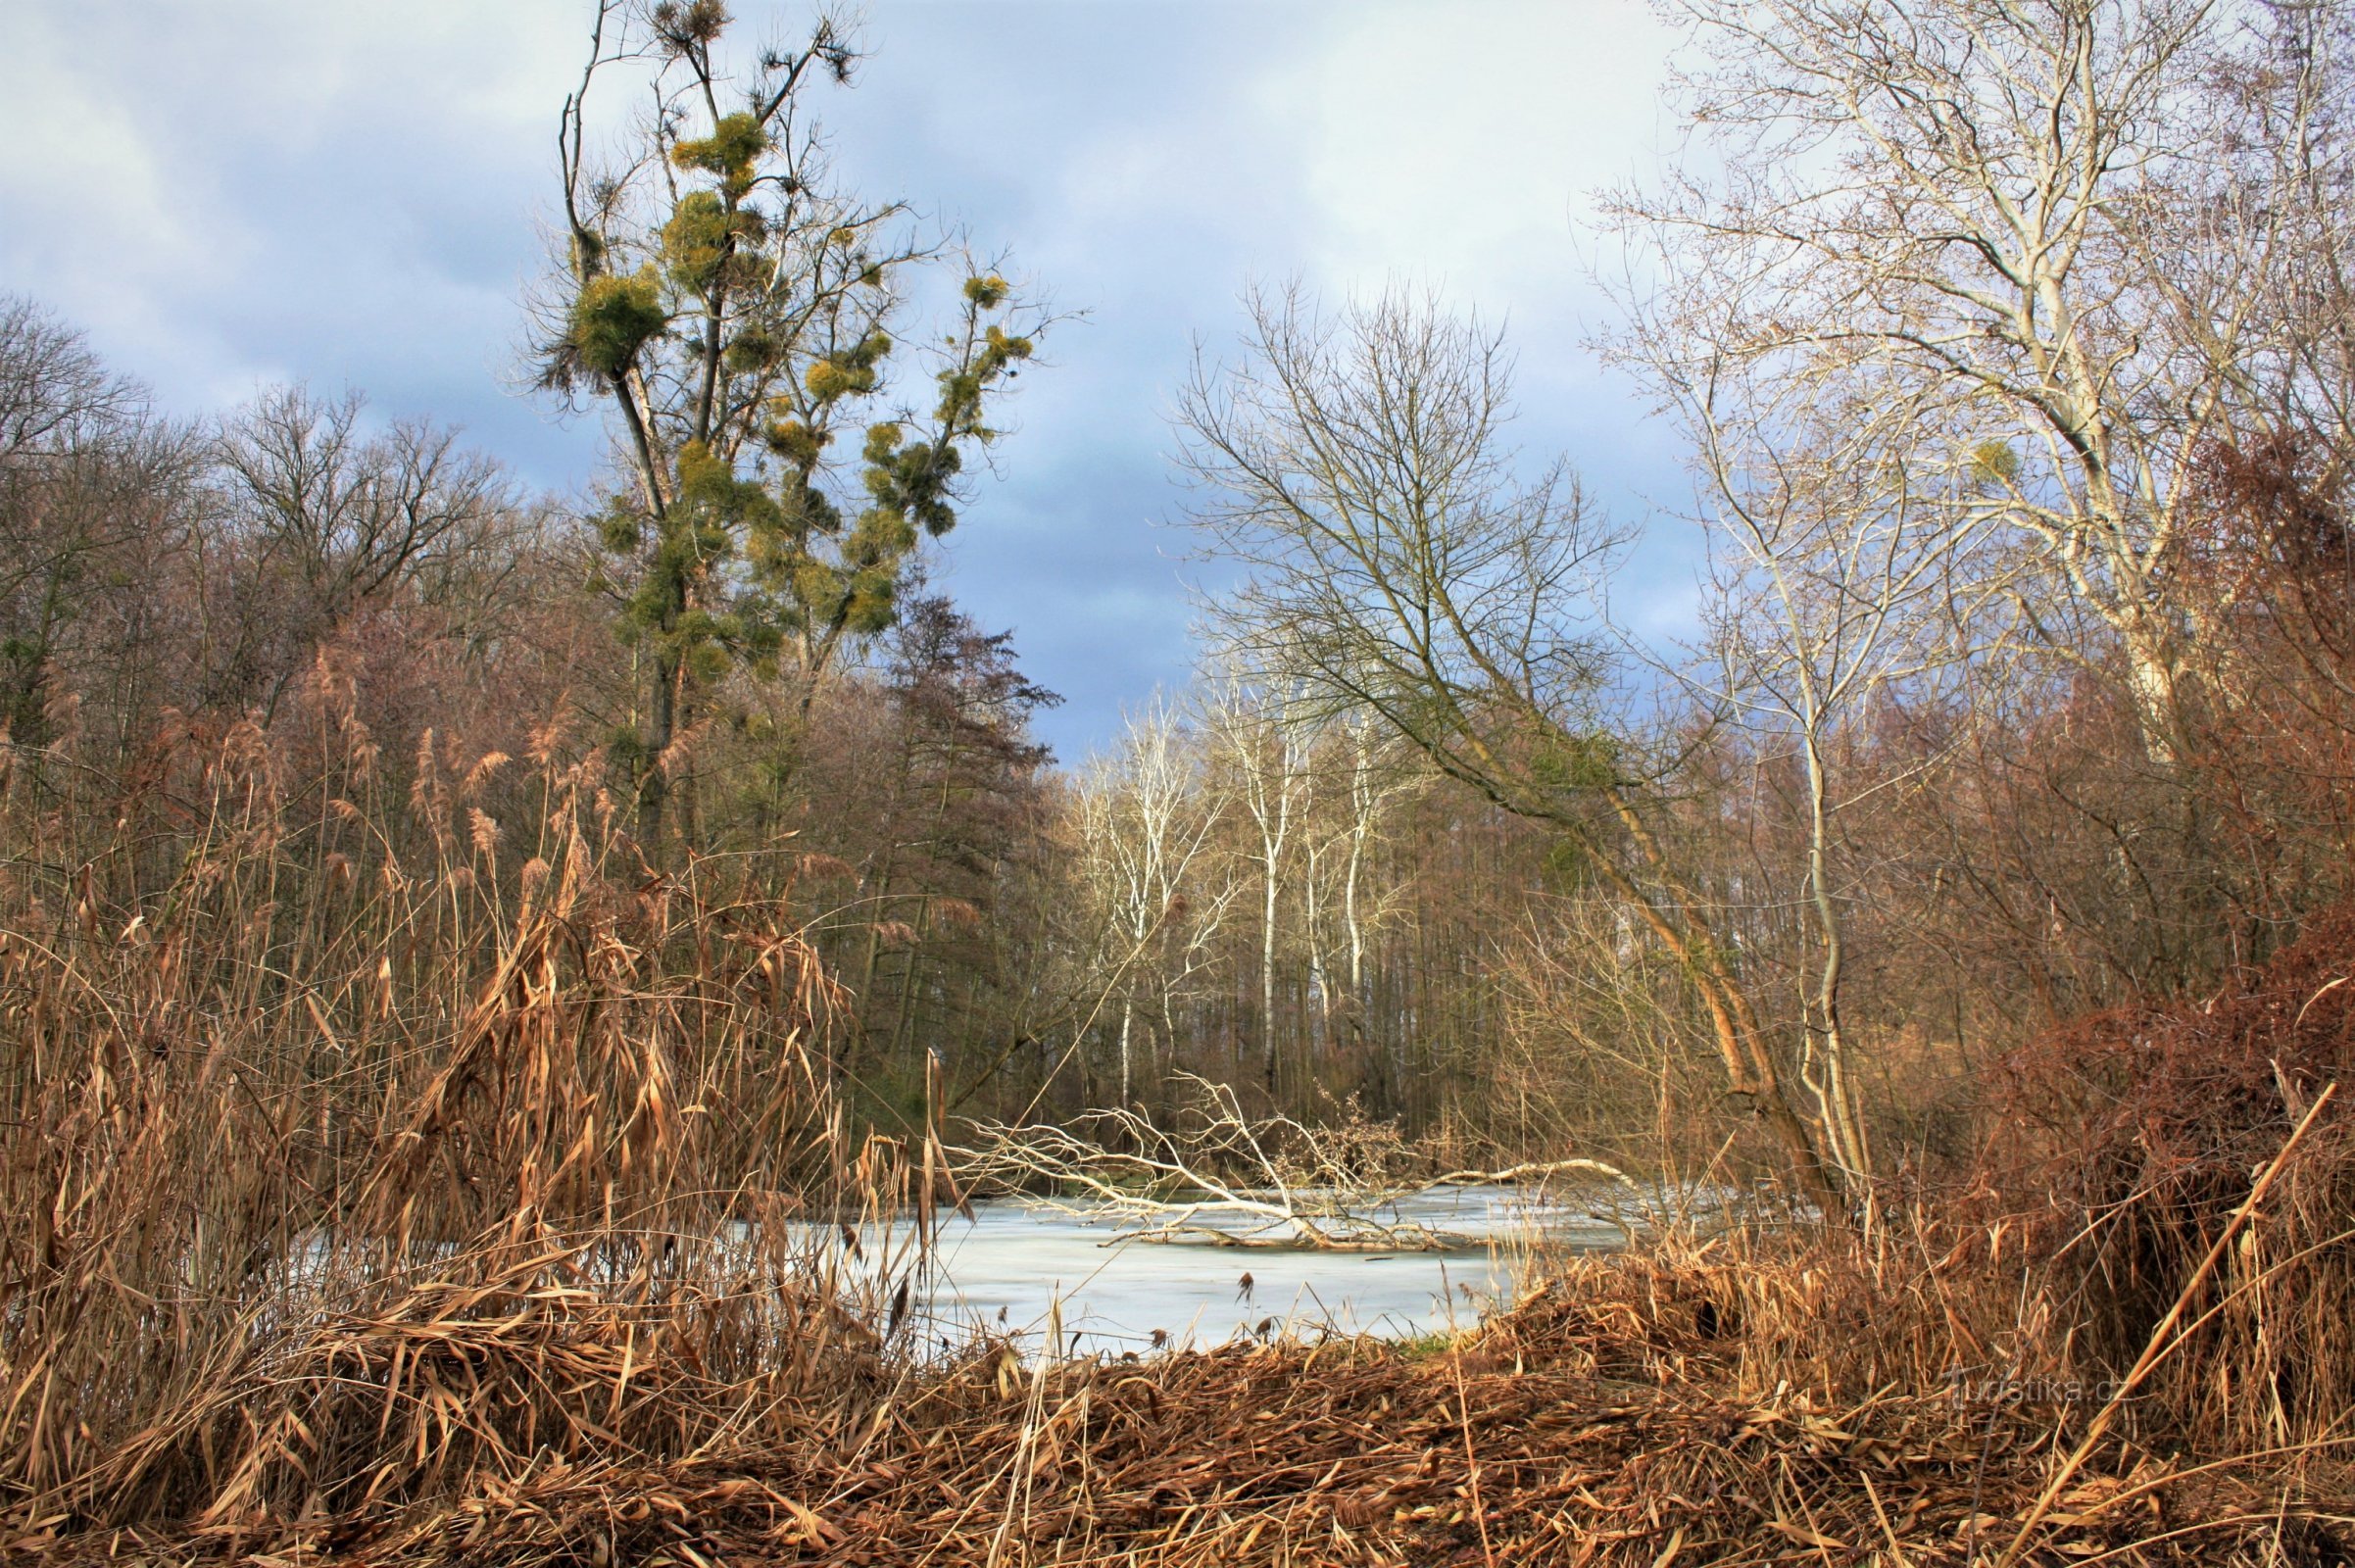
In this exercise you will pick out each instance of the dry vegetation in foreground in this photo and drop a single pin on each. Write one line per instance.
(380, 1191)
(1612, 1418)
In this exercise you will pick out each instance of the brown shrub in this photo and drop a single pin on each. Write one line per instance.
(2135, 1135)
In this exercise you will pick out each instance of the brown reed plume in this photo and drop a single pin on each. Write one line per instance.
(363, 1147)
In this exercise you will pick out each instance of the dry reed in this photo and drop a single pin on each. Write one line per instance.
(359, 1154)
(1612, 1418)
(409, 1174)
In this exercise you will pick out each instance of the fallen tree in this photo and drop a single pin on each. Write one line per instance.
(1217, 1175)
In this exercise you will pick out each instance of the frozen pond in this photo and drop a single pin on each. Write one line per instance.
(1013, 1262)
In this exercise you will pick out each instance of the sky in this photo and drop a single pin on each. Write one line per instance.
(355, 194)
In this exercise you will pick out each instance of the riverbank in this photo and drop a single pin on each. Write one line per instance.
(1615, 1416)
(1006, 1265)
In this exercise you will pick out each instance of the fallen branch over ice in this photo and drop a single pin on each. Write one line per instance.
(1272, 1180)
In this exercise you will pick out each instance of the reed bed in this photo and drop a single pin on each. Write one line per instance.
(360, 1149)
(401, 1170)
(1606, 1420)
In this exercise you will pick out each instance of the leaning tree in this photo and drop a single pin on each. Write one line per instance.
(1396, 561)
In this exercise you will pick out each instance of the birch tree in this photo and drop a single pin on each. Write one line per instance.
(1338, 850)
(1266, 747)
(1148, 814)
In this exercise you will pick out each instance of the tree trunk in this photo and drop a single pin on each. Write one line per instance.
(654, 785)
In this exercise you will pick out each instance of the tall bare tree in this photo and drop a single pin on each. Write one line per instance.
(1395, 561)
(93, 488)
(1148, 814)
(1839, 591)
(1262, 740)
(2047, 245)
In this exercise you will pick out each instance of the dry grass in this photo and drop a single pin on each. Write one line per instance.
(380, 1188)
(1611, 1419)
(358, 1154)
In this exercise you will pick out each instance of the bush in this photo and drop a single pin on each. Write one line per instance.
(2141, 1131)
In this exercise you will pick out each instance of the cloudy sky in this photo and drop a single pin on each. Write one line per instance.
(352, 193)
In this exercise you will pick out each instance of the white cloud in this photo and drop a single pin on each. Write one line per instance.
(94, 222)
(236, 192)
(349, 191)
(1461, 143)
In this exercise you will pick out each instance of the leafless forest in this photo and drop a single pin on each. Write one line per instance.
(451, 935)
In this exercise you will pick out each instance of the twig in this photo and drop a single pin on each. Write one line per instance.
(1463, 1410)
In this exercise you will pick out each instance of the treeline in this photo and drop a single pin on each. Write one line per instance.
(385, 612)
(1252, 883)
(2019, 688)
(376, 605)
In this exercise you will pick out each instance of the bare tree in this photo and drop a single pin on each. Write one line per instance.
(2287, 104)
(1339, 843)
(54, 391)
(1838, 589)
(1218, 1175)
(93, 491)
(1379, 784)
(1354, 464)
(2044, 245)
(1265, 743)
(1146, 818)
(332, 516)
